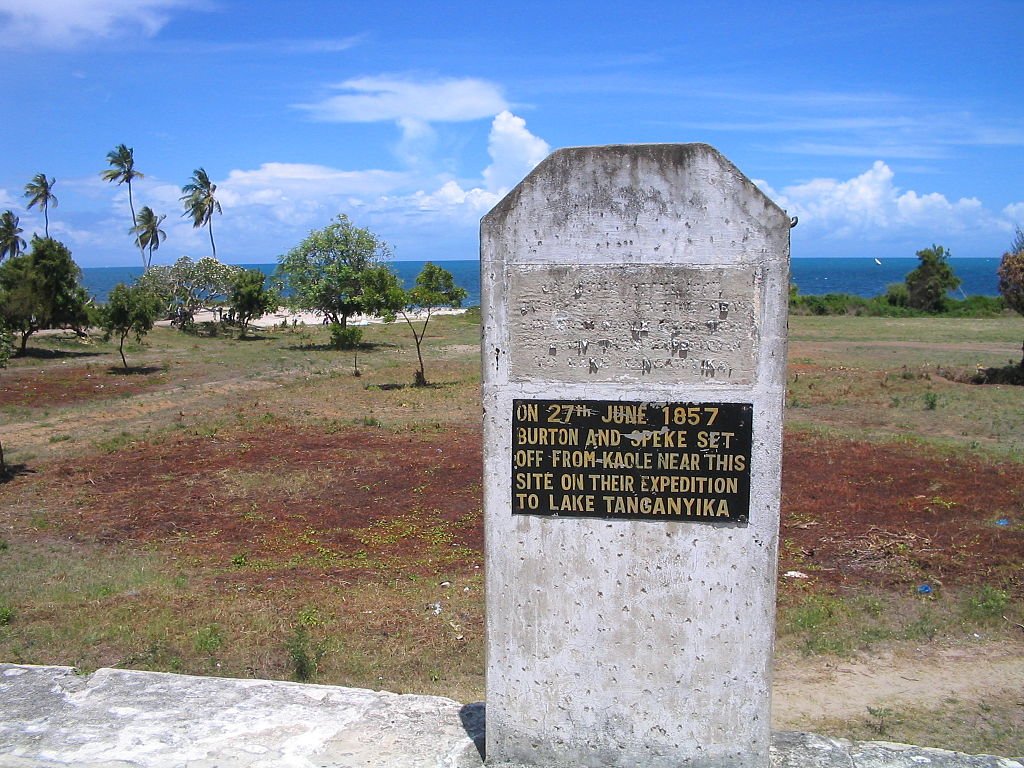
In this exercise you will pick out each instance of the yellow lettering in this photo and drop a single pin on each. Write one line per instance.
(625, 414)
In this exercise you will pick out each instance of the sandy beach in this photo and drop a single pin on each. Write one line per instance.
(284, 315)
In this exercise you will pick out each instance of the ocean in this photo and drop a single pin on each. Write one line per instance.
(860, 277)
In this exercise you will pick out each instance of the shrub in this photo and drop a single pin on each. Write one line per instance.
(345, 336)
(897, 295)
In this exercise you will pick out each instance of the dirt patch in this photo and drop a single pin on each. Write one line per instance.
(56, 386)
(359, 501)
(890, 515)
(806, 690)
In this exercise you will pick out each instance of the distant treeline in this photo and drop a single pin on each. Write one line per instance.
(891, 305)
(925, 292)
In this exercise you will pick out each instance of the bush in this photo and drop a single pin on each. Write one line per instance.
(895, 303)
(897, 295)
(976, 306)
(829, 304)
(929, 284)
(345, 336)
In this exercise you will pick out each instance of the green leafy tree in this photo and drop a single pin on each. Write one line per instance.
(11, 241)
(1011, 278)
(931, 280)
(122, 171)
(41, 290)
(201, 203)
(187, 286)
(434, 288)
(250, 299)
(148, 234)
(129, 309)
(326, 272)
(39, 192)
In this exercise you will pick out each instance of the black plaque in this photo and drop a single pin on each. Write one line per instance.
(634, 460)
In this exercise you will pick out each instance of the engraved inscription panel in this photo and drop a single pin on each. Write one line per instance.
(633, 460)
(633, 322)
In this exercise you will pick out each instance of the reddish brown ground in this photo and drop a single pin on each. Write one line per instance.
(893, 515)
(359, 501)
(367, 501)
(55, 386)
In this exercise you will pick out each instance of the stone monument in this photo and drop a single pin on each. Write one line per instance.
(634, 350)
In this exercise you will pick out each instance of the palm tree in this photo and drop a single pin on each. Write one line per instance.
(148, 234)
(11, 241)
(200, 203)
(39, 192)
(122, 170)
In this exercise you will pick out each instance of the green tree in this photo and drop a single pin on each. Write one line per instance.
(1011, 278)
(434, 288)
(250, 299)
(129, 310)
(11, 241)
(122, 170)
(200, 202)
(39, 192)
(187, 286)
(326, 272)
(931, 280)
(148, 234)
(41, 290)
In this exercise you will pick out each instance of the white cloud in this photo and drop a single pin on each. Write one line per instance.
(299, 193)
(1015, 213)
(514, 152)
(309, 179)
(305, 194)
(417, 143)
(67, 22)
(454, 201)
(871, 205)
(385, 98)
(6, 201)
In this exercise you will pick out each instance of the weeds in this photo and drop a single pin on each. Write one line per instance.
(116, 443)
(208, 639)
(985, 606)
(303, 655)
(880, 720)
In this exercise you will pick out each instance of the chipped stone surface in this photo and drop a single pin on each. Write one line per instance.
(641, 323)
(51, 717)
(630, 274)
(807, 750)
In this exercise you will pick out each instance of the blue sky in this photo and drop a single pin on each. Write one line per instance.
(885, 126)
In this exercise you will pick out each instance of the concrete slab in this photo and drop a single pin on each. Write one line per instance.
(52, 717)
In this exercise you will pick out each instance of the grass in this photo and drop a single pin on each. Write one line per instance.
(882, 378)
(116, 603)
(968, 726)
(824, 623)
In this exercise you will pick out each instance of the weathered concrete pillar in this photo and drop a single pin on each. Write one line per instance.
(634, 350)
